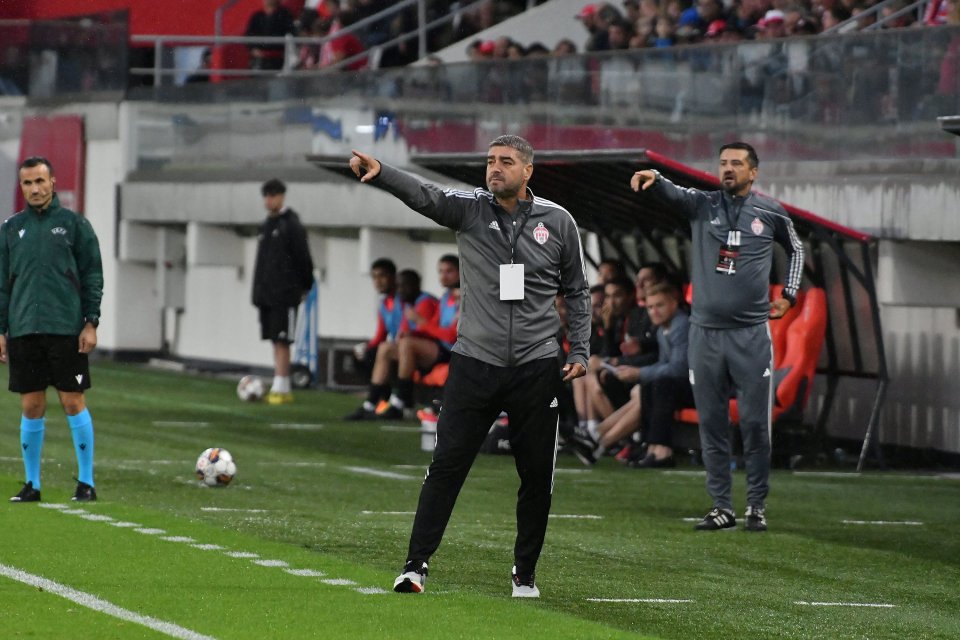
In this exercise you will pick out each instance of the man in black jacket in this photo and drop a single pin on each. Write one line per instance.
(517, 252)
(281, 278)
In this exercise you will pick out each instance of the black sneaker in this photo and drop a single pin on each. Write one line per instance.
(412, 579)
(584, 446)
(84, 493)
(391, 413)
(756, 519)
(717, 520)
(27, 494)
(360, 413)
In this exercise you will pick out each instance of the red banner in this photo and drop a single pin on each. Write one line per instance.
(60, 140)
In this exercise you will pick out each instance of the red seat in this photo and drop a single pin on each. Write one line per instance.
(437, 377)
(797, 339)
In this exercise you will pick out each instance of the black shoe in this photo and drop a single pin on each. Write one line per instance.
(27, 494)
(756, 519)
(585, 449)
(360, 413)
(412, 579)
(84, 493)
(652, 462)
(391, 413)
(718, 519)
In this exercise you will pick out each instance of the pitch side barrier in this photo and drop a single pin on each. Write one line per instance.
(593, 185)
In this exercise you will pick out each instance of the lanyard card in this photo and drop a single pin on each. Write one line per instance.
(511, 282)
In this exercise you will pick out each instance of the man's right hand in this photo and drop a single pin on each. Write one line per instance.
(642, 180)
(364, 167)
(3, 348)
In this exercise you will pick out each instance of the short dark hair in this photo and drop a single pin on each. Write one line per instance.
(621, 281)
(597, 288)
(450, 259)
(752, 158)
(517, 143)
(36, 161)
(659, 270)
(411, 275)
(616, 264)
(384, 264)
(273, 187)
(666, 287)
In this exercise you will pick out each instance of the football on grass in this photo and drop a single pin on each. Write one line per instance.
(250, 389)
(215, 467)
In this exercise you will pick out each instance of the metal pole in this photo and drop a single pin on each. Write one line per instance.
(158, 63)
(422, 28)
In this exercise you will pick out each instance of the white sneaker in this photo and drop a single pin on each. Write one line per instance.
(524, 587)
(412, 579)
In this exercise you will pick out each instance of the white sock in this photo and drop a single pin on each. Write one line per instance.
(582, 424)
(592, 429)
(396, 401)
(281, 384)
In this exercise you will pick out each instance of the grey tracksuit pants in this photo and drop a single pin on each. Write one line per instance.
(743, 358)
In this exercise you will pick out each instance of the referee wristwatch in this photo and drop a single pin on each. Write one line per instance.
(92, 320)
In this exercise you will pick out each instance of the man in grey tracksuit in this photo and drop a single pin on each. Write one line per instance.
(517, 252)
(733, 231)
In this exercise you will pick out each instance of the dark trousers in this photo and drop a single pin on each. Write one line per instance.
(658, 401)
(474, 395)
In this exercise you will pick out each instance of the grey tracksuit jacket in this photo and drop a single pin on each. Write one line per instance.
(741, 300)
(507, 333)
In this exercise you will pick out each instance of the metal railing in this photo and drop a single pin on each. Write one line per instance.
(851, 24)
(291, 43)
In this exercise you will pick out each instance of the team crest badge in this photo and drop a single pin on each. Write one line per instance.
(756, 226)
(540, 233)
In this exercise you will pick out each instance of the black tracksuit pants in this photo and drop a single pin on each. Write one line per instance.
(474, 395)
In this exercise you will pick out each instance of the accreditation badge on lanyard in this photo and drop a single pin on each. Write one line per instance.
(511, 275)
(729, 252)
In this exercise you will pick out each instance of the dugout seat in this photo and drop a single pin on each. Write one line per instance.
(436, 377)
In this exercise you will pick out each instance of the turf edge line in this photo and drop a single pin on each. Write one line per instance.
(102, 606)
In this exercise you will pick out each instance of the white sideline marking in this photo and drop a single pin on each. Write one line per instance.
(292, 464)
(339, 582)
(126, 525)
(369, 591)
(563, 470)
(388, 513)
(828, 474)
(415, 467)
(241, 554)
(207, 547)
(178, 539)
(296, 426)
(691, 519)
(239, 510)
(912, 523)
(52, 505)
(74, 512)
(174, 423)
(271, 563)
(682, 472)
(96, 517)
(307, 573)
(380, 473)
(642, 600)
(148, 531)
(875, 605)
(399, 429)
(91, 601)
(576, 516)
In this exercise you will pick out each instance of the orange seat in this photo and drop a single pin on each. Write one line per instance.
(797, 339)
(437, 377)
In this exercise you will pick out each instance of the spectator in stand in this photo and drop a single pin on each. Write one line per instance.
(343, 47)
(565, 47)
(274, 20)
(598, 39)
(631, 10)
(643, 33)
(619, 34)
(772, 25)
(610, 268)
(665, 29)
(694, 21)
(411, 309)
(938, 12)
(383, 274)
(429, 341)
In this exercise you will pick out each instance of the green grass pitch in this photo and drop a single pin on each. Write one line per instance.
(307, 540)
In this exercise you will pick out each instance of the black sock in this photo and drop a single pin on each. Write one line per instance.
(405, 392)
(378, 392)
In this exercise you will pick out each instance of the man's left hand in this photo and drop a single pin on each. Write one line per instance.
(573, 370)
(779, 307)
(88, 338)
